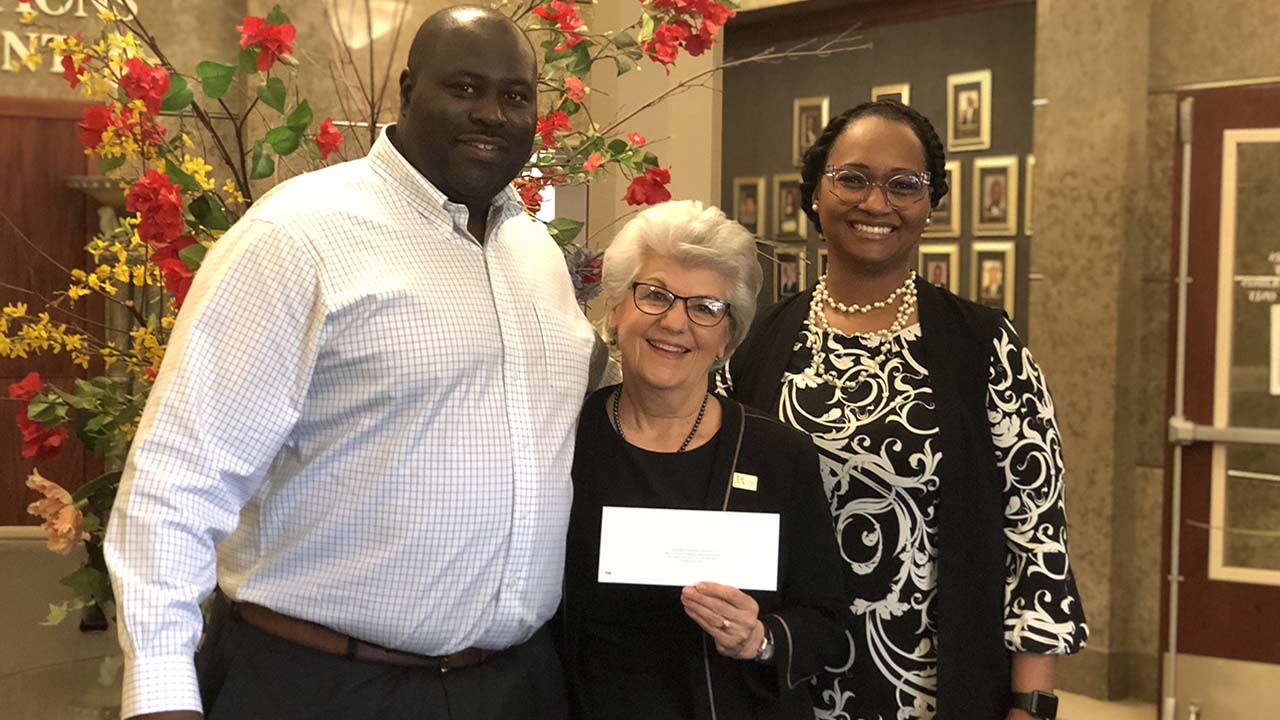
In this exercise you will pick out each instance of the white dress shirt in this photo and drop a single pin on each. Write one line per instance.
(369, 414)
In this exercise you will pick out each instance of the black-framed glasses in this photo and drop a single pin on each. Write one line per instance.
(852, 186)
(700, 309)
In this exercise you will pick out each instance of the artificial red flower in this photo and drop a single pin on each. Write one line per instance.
(71, 72)
(664, 46)
(146, 83)
(699, 43)
(594, 161)
(272, 40)
(713, 13)
(26, 388)
(650, 188)
(140, 126)
(328, 139)
(39, 441)
(150, 372)
(159, 204)
(177, 275)
(548, 126)
(575, 89)
(563, 14)
(95, 122)
(570, 39)
(636, 139)
(530, 189)
(680, 6)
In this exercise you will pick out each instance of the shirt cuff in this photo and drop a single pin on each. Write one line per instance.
(159, 684)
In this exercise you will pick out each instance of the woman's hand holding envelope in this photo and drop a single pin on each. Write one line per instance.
(728, 615)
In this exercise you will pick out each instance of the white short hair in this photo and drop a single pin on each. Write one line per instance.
(695, 236)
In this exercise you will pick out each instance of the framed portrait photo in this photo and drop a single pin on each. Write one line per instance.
(1031, 181)
(994, 274)
(995, 196)
(969, 111)
(940, 265)
(749, 204)
(945, 220)
(789, 275)
(822, 261)
(899, 91)
(790, 224)
(809, 116)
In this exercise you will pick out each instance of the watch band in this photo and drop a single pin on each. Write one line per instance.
(1037, 703)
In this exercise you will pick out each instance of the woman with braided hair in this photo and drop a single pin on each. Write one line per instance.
(937, 441)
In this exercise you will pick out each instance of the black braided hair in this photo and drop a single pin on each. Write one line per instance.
(815, 158)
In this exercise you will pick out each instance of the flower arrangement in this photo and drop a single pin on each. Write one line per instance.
(146, 121)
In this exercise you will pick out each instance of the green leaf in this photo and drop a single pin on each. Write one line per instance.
(248, 60)
(107, 164)
(277, 16)
(564, 230)
(569, 107)
(300, 118)
(179, 96)
(57, 613)
(312, 149)
(262, 164)
(580, 58)
(650, 160)
(179, 177)
(48, 413)
(91, 390)
(104, 481)
(92, 524)
(624, 64)
(96, 440)
(624, 40)
(89, 583)
(215, 78)
(273, 94)
(284, 140)
(618, 146)
(193, 256)
(209, 212)
(647, 26)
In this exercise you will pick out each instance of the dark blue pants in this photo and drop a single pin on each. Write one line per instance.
(248, 674)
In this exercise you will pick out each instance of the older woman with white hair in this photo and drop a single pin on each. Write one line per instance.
(680, 283)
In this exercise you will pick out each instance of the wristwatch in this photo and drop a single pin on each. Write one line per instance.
(765, 653)
(1037, 703)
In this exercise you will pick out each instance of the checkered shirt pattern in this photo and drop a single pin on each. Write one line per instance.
(369, 415)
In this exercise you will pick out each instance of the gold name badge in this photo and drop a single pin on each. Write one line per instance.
(743, 481)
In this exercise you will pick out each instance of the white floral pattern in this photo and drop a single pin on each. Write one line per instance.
(880, 463)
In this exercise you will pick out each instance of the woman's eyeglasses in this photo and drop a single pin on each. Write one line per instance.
(851, 186)
(656, 300)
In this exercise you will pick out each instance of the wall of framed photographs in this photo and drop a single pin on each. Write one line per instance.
(971, 74)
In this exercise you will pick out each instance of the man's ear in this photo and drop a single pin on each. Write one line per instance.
(406, 88)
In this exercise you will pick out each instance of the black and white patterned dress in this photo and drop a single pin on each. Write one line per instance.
(882, 466)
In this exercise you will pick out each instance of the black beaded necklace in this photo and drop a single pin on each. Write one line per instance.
(617, 419)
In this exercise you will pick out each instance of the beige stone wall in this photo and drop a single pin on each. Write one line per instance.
(1194, 41)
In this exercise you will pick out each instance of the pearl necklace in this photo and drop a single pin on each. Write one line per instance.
(617, 419)
(820, 327)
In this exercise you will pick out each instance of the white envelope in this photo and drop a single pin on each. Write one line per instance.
(656, 546)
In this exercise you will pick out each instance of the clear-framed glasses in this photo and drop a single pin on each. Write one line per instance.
(701, 310)
(852, 186)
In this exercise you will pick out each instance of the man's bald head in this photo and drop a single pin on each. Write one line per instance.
(486, 23)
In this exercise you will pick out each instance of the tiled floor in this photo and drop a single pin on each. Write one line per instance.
(1079, 707)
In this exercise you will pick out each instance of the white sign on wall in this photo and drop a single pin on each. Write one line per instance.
(54, 19)
(1275, 349)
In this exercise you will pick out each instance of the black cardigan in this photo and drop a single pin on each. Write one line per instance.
(805, 615)
(973, 663)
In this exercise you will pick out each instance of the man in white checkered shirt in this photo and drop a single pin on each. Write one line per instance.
(367, 407)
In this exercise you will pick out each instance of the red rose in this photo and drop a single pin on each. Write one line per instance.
(145, 83)
(177, 275)
(636, 139)
(26, 388)
(650, 188)
(95, 122)
(594, 161)
(548, 126)
(159, 203)
(575, 89)
(272, 40)
(328, 139)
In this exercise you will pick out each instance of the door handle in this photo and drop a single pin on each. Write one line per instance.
(1185, 432)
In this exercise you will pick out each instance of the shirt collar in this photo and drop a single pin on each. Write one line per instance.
(387, 161)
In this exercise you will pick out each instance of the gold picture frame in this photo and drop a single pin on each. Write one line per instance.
(750, 203)
(969, 111)
(939, 264)
(945, 220)
(993, 272)
(995, 196)
(898, 91)
(809, 115)
(790, 224)
(789, 270)
(1030, 196)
